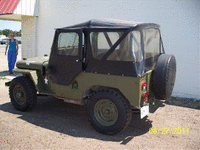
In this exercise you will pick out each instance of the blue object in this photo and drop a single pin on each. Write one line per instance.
(12, 45)
(11, 60)
(12, 55)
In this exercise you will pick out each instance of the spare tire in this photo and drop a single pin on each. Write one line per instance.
(164, 76)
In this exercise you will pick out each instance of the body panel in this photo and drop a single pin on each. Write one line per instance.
(34, 63)
(128, 86)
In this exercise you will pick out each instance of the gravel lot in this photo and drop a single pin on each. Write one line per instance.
(53, 124)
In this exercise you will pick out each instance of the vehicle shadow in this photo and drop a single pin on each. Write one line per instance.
(3, 73)
(70, 119)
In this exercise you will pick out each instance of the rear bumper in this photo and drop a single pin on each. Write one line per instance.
(153, 108)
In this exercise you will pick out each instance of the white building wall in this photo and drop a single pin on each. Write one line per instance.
(179, 22)
(29, 37)
(27, 7)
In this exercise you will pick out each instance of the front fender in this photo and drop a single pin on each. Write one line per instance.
(32, 74)
(38, 80)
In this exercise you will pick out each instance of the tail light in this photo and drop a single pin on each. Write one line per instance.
(144, 84)
(145, 93)
(146, 96)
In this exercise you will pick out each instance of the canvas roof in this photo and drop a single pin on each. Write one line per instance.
(111, 23)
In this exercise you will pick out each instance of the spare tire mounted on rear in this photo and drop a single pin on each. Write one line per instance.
(164, 76)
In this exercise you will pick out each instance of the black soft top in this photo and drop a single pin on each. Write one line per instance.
(111, 23)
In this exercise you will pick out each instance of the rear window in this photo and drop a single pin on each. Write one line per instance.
(151, 47)
(151, 42)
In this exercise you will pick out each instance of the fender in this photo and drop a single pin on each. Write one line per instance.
(32, 74)
(38, 80)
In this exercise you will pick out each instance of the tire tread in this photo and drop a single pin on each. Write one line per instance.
(29, 88)
(125, 103)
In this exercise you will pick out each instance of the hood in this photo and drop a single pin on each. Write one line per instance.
(35, 63)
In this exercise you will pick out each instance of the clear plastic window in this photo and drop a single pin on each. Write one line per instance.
(151, 42)
(68, 43)
(151, 47)
(128, 50)
(136, 46)
(102, 41)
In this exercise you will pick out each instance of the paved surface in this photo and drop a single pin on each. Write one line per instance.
(53, 124)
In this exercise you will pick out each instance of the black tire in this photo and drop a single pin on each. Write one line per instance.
(164, 76)
(114, 113)
(22, 93)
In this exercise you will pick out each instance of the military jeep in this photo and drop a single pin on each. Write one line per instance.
(111, 66)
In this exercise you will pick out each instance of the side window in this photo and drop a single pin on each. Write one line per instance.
(102, 41)
(129, 48)
(68, 43)
(136, 46)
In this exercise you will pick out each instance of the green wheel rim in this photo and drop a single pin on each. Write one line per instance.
(105, 112)
(19, 94)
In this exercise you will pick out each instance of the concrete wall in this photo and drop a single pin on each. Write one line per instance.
(29, 36)
(179, 22)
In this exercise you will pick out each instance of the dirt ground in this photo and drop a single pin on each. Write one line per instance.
(53, 124)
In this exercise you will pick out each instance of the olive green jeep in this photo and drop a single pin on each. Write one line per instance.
(111, 66)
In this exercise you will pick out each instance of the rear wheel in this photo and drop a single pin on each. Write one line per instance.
(108, 112)
(22, 93)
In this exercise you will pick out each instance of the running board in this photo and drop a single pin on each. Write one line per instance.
(73, 101)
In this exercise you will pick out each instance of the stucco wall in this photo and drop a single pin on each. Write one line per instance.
(179, 22)
(29, 37)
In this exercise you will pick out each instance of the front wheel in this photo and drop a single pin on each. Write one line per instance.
(108, 112)
(22, 93)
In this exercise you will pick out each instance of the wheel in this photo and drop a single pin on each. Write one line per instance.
(164, 76)
(22, 93)
(108, 112)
